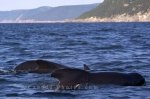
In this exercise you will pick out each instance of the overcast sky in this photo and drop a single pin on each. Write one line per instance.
(6, 5)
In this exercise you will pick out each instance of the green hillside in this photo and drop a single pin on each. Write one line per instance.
(111, 8)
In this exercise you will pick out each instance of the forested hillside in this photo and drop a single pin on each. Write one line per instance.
(110, 8)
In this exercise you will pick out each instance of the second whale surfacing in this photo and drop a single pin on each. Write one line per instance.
(41, 66)
(72, 77)
(38, 66)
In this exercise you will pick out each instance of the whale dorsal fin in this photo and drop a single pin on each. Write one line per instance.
(86, 68)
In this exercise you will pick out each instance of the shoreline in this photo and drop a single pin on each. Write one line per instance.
(139, 17)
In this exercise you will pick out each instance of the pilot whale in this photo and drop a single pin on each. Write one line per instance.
(71, 77)
(40, 66)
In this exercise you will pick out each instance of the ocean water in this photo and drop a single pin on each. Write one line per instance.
(122, 47)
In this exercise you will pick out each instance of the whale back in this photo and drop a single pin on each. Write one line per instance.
(27, 66)
(50, 66)
(41, 66)
(116, 78)
(38, 66)
(70, 77)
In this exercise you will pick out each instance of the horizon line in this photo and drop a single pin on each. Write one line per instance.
(49, 6)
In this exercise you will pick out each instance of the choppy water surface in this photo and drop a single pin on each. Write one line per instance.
(123, 47)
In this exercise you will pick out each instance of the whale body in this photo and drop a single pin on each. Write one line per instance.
(73, 77)
(41, 66)
(38, 66)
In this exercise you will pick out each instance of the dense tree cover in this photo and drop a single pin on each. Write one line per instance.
(110, 8)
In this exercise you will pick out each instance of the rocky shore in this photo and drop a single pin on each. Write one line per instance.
(139, 17)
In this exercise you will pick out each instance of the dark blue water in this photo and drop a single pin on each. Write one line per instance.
(123, 47)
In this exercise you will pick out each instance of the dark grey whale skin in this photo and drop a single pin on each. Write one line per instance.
(38, 66)
(72, 77)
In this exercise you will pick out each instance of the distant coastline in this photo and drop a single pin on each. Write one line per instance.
(107, 11)
(139, 17)
(45, 14)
